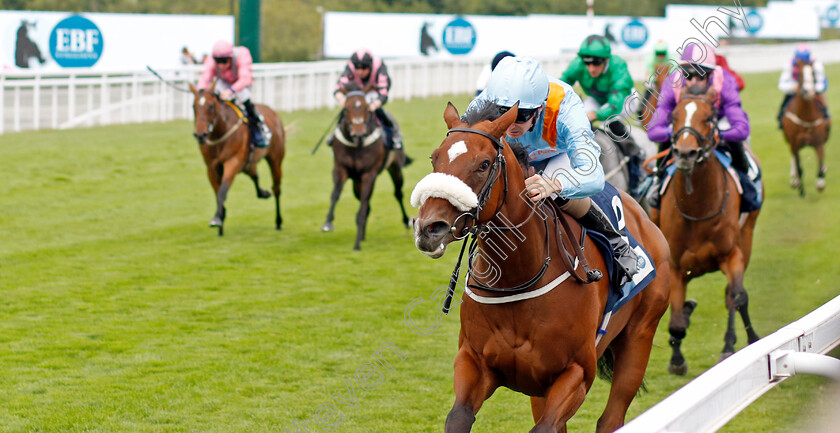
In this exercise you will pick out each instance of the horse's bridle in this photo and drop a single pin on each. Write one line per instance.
(707, 144)
(498, 168)
(211, 125)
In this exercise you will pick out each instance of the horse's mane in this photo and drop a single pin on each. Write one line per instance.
(488, 110)
(351, 86)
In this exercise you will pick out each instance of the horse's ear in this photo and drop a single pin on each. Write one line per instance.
(213, 86)
(451, 116)
(501, 124)
(193, 89)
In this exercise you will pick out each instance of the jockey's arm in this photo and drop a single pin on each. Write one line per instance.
(574, 133)
(573, 71)
(787, 83)
(820, 80)
(620, 89)
(383, 83)
(659, 131)
(244, 69)
(732, 110)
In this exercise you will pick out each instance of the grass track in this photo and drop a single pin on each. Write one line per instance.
(123, 312)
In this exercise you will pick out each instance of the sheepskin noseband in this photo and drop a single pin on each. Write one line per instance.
(445, 186)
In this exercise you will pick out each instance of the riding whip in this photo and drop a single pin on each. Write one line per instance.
(167, 82)
(329, 128)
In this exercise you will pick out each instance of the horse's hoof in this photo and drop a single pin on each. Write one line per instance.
(820, 185)
(794, 183)
(678, 370)
(263, 194)
(216, 222)
(725, 355)
(327, 227)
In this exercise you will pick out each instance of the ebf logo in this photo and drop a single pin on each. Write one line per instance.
(832, 15)
(755, 21)
(76, 42)
(459, 36)
(634, 34)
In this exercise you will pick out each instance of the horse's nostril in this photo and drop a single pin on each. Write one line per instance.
(437, 228)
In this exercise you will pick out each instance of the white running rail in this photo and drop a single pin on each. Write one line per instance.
(712, 399)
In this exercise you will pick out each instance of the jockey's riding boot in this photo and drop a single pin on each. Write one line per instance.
(739, 156)
(619, 134)
(785, 101)
(255, 124)
(625, 257)
(396, 138)
(659, 174)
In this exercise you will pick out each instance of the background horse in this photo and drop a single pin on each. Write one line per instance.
(359, 154)
(700, 217)
(224, 140)
(803, 125)
(545, 346)
(651, 99)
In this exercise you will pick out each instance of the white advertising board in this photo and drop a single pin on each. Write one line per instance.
(828, 10)
(780, 20)
(413, 35)
(65, 41)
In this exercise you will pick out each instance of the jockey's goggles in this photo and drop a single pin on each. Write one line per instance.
(596, 61)
(361, 65)
(221, 60)
(522, 115)
(691, 73)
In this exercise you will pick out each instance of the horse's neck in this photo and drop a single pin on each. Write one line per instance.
(226, 120)
(518, 253)
(805, 109)
(708, 184)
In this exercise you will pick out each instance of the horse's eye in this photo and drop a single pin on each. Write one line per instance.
(484, 166)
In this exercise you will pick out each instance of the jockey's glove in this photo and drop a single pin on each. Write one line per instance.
(340, 98)
(375, 104)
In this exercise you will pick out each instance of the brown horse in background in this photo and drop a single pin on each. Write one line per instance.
(803, 125)
(224, 141)
(652, 94)
(543, 346)
(359, 154)
(700, 217)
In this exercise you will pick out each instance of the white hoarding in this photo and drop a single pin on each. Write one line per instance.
(413, 35)
(65, 41)
(781, 20)
(828, 10)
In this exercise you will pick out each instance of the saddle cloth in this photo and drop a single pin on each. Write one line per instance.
(750, 185)
(609, 201)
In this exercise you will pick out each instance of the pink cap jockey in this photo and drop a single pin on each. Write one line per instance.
(728, 100)
(237, 73)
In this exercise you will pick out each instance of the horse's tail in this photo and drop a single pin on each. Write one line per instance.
(606, 369)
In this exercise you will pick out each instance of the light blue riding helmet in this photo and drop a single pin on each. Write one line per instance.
(518, 79)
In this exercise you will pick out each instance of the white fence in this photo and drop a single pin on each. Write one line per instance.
(708, 402)
(67, 100)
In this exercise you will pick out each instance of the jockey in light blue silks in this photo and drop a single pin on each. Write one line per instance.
(553, 128)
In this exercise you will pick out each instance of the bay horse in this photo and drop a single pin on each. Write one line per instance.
(700, 216)
(359, 154)
(224, 141)
(651, 99)
(804, 124)
(543, 346)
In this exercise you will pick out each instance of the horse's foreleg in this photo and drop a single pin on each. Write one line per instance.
(563, 399)
(276, 177)
(229, 170)
(339, 177)
(796, 173)
(680, 320)
(367, 181)
(736, 300)
(821, 166)
(397, 177)
(472, 387)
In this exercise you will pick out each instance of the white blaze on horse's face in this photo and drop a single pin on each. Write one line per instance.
(457, 150)
(690, 109)
(808, 80)
(201, 101)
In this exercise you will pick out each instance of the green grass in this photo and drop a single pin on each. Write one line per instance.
(121, 311)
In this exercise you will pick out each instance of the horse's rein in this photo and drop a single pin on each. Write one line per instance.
(231, 130)
(483, 195)
(707, 143)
